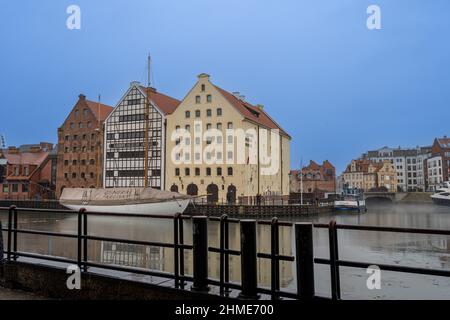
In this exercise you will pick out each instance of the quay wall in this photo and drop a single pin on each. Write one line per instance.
(50, 281)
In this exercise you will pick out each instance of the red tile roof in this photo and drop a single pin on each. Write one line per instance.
(444, 142)
(26, 158)
(165, 103)
(101, 111)
(251, 112)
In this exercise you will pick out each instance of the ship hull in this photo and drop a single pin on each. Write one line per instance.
(167, 208)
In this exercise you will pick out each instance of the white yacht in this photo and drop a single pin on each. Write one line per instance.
(442, 195)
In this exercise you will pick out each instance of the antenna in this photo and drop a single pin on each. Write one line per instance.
(2, 141)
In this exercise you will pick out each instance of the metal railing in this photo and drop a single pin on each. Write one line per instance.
(200, 281)
(335, 263)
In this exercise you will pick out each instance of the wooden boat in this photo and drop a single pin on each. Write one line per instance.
(125, 200)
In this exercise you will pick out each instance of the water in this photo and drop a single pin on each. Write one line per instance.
(375, 247)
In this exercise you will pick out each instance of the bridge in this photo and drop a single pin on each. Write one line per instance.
(380, 195)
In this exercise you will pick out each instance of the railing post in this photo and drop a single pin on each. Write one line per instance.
(249, 276)
(334, 267)
(1, 244)
(181, 240)
(79, 238)
(200, 253)
(15, 233)
(176, 256)
(10, 213)
(304, 257)
(275, 263)
(85, 240)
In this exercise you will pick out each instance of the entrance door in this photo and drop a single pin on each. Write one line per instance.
(213, 193)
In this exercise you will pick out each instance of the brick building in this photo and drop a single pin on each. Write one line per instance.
(438, 165)
(26, 172)
(80, 145)
(316, 178)
(366, 175)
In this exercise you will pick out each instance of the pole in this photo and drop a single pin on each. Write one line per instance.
(200, 253)
(249, 269)
(304, 257)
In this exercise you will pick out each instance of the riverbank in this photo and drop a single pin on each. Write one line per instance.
(417, 198)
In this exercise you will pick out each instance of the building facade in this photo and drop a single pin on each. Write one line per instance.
(80, 146)
(369, 175)
(224, 147)
(441, 148)
(408, 163)
(435, 172)
(26, 172)
(125, 139)
(315, 178)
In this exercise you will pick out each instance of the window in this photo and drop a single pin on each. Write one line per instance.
(203, 88)
(83, 175)
(197, 113)
(208, 126)
(187, 141)
(66, 175)
(85, 112)
(76, 113)
(219, 139)
(187, 128)
(208, 113)
(230, 139)
(230, 155)
(230, 125)
(197, 156)
(219, 155)
(66, 162)
(197, 140)
(187, 156)
(93, 136)
(84, 137)
(74, 162)
(219, 111)
(208, 98)
(219, 171)
(230, 171)
(89, 124)
(5, 188)
(177, 128)
(92, 175)
(92, 161)
(208, 171)
(197, 127)
(187, 171)
(187, 114)
(197, 99)
(71, 125)
(83, 162)
(80, 125)
(74, 175)
(219, 126)
(177, 171)
(66, 138)
(66, 149)
(197, 171)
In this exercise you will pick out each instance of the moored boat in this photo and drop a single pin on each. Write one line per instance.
(125, 200)
(351, 200)
(442, 195)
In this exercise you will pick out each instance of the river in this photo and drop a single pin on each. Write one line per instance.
(375, 247)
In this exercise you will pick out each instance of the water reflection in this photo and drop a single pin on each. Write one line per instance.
(375, 247)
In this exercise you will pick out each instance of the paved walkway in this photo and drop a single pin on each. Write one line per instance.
(8, 294)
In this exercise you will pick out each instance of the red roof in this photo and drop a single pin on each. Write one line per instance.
(26, 158)
(251, 112)
(164, 103)
(444, 142)
(101, 111)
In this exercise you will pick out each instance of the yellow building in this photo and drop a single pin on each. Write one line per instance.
(387, 176)
(221, 145)
(367, 175)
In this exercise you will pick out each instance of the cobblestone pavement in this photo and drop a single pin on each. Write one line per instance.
(8, 294)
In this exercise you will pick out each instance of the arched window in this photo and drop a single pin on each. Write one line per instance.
(187, 114)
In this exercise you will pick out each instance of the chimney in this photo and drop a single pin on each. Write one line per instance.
(82, 96)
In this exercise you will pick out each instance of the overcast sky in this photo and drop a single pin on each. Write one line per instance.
(335, 86)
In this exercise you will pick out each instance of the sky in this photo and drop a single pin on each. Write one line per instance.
(338, 88)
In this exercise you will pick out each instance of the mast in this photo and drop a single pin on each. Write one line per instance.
(146, 117)
(99, 144)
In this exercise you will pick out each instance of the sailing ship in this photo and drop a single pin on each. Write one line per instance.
(125, 200)
(133, 200)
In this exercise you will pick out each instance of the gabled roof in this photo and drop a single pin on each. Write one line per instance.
(251, 112)
(444, 142)
(100, 110)
(163, 102)
(26, 158)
